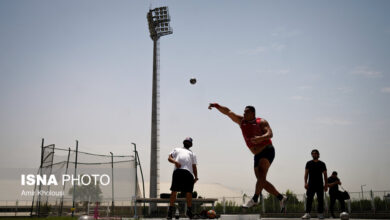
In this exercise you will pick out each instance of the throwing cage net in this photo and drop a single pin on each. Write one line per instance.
(76, 182)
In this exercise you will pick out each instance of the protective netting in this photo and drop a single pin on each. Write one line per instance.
(84, 181)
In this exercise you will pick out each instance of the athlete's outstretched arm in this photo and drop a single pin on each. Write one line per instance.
(226, 111)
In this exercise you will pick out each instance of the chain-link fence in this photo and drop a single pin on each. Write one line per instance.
(369, 203)
(366, 202)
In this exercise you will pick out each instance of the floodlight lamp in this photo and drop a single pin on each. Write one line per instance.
(158, 20)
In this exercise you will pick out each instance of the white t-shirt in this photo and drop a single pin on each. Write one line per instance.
(185, 157)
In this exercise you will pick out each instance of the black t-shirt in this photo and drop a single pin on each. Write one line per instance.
(334, 189)
(315, 173)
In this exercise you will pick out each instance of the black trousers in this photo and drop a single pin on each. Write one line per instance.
(320, 197)
(333, 198)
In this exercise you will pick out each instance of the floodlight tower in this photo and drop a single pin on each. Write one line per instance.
(158, 20)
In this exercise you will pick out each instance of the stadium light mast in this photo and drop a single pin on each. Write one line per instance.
(158, 20)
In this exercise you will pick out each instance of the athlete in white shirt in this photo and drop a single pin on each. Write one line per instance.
(184, 176)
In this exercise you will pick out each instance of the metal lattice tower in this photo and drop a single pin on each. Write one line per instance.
(158, 20)
(154, 153)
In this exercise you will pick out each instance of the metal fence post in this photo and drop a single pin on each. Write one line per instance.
(136, 181)
(372, 201)
(224, 205)
(40, 173)
(262, 203)
(349, 206)
(112, 184)
(75, 173)
(16, 211)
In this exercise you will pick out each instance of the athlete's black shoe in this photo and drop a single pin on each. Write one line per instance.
(189, 213)
(171, 210)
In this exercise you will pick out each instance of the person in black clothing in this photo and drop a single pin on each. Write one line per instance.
(334, 193)
(314, 171)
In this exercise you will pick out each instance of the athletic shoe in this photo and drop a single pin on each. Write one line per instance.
(189, 213)
(320, 216)
(306, 216)
(283, 204)
(249, 204)
(177, 214)
(170, 212)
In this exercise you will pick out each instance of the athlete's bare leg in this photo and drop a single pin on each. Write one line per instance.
(173, 198)
(261, 174)
(189, 199)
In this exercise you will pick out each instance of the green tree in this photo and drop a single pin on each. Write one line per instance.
(87, 193)
(293, 204)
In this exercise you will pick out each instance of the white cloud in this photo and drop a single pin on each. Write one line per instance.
(332, 121)
(262, 49)
(386, 90)
(280, 72)
(299, 98)
(278, 47)
(367, 72)
(283, 32)
(344, 89)
(255, 51)
(305, 87)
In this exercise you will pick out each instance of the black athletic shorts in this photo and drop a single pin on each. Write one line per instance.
(182, 181)
(268, 153)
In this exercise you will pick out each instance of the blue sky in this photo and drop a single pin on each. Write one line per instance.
(318, 71)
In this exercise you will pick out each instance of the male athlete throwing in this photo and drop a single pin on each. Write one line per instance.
(257, 134)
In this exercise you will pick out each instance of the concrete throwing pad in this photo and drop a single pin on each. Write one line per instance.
(240, 217)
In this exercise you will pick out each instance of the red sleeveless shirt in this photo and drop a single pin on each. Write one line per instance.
(251, 129)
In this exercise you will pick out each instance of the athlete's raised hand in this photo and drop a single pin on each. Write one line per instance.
(226, 111)
(213, 105)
